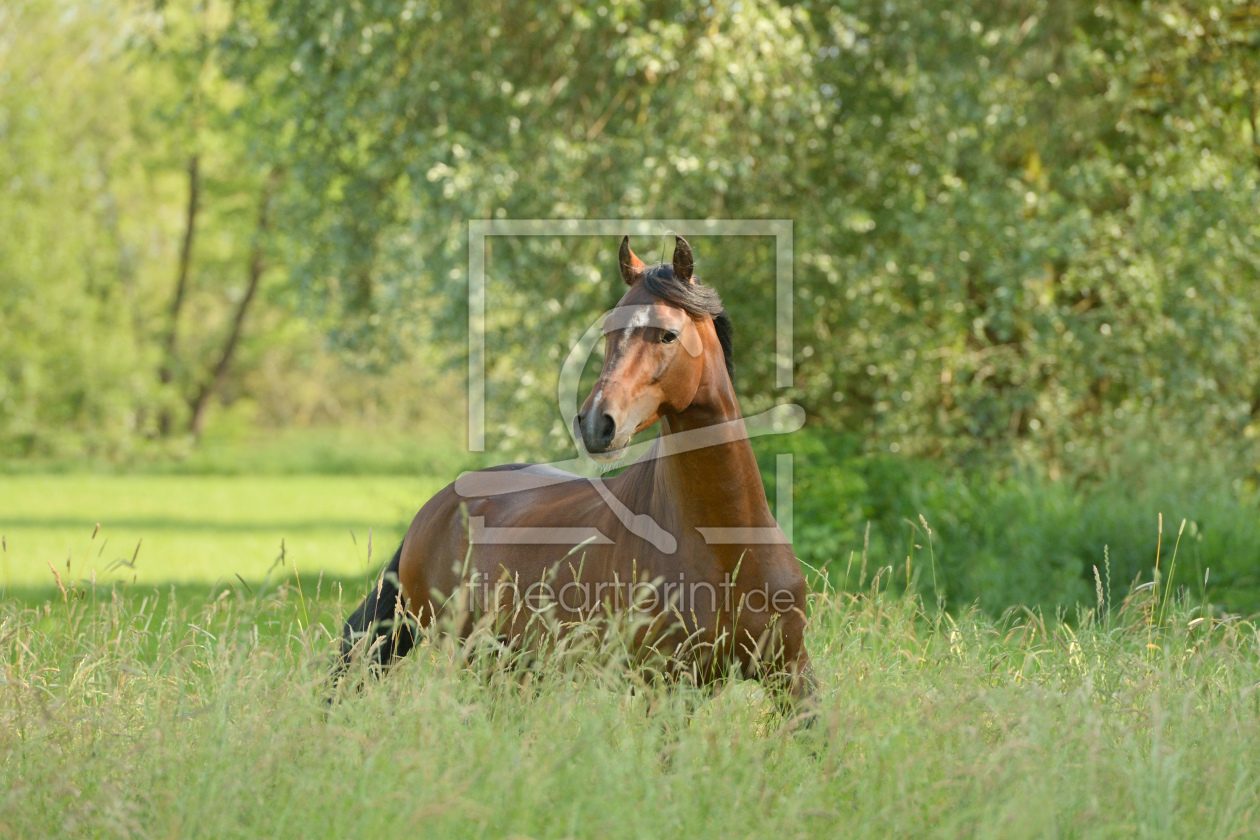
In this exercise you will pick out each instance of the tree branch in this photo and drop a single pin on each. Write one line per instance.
(257, 265)
(166, 373)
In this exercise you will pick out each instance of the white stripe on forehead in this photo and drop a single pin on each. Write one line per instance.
(637, 320)
(635, 316)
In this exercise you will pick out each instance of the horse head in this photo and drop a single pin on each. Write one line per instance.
(666, 336)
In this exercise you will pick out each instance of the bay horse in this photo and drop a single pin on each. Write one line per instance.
(684, 534)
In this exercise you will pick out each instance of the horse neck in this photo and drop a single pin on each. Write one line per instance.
(717, 485)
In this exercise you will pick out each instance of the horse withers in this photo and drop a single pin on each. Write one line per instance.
(683, 536)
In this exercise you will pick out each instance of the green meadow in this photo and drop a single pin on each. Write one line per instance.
(176, 699)
(240, 274)
(200, 529)
(143, 713)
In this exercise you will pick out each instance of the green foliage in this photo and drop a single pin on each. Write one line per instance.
(124, 150)
(1016, 227)
(1001, 536)
(66, 273)
(1013, 227)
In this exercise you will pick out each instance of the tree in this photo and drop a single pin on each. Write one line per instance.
(1025, 228)
(992, 252)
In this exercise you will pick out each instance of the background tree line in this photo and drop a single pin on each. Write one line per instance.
(1025, 232)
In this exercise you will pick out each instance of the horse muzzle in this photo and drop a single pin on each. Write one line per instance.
(601, 434)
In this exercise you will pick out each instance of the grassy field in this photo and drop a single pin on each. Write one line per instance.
(200, 529)
(177, 701)
(152, 716)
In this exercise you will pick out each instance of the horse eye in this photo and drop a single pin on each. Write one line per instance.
(669, 337)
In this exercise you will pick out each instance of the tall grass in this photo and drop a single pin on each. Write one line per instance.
(138, 714)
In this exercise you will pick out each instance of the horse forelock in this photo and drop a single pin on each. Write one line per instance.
(694, 298)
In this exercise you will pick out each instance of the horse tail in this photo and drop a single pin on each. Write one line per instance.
(382, 618)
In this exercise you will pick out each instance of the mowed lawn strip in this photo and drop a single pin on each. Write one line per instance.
(200, 529)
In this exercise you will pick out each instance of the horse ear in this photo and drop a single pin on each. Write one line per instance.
(631, 266)
(684, 262)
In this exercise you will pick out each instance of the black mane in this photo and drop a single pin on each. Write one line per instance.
(696, 299)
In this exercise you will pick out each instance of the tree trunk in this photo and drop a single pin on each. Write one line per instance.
(201, 401)
(166, 373)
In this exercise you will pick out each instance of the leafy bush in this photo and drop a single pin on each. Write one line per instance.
(1001, 537)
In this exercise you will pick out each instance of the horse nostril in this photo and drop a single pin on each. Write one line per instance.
(607, 429)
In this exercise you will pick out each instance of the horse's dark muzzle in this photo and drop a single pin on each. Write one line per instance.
(598, 428)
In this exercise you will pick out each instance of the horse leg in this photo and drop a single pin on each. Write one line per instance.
(792, 678)
(803, 687)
